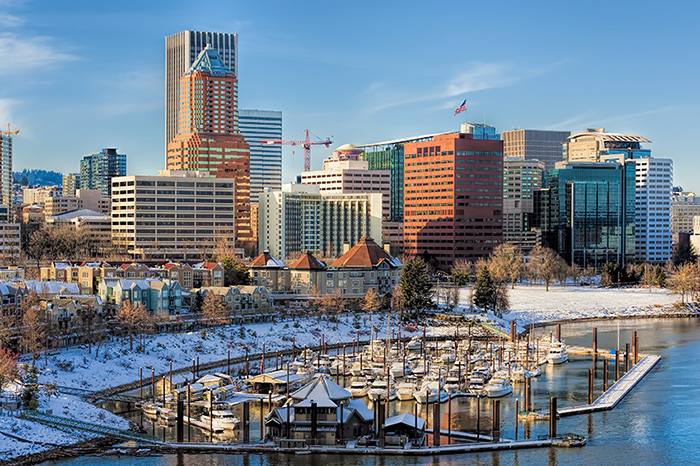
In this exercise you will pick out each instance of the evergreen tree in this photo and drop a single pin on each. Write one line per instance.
(417, 287)
(684, 253)
(235, 272)
(30, 398)
(485, 290)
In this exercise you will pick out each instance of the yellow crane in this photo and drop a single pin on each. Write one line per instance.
(8, 132)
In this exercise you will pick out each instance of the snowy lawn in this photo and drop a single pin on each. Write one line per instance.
(580, 302)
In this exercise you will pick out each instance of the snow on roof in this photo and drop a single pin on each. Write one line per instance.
(266, 260)
(275, 377)
(209, 378)
(322, 387)
(53, 287)
(406, 419)
(322, 402)
(362, 410)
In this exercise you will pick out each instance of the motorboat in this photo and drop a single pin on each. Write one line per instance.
(406, 388)
(222, 419)
(477, 381)
(359, 387)
(150, 409)
(399, 369)
(557, 353)
(167, 414)
(379, 390)
(518, 374)
(498, 386)
(421, 368)
(452, 380)
(414, 345)
(431, 391)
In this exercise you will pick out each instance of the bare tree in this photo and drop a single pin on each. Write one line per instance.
(134, 321)
(507, 263)
(462, 270)
(397, 304)
(684, 280)
(9, 370)
(371, 302)
(544, 264)
(33, 335)
(214, 309)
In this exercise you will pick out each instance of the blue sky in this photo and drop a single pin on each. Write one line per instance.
(77, 76)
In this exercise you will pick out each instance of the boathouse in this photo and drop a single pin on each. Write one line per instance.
(320, 413)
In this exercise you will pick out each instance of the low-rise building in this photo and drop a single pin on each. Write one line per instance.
(246, 303)
(159, 297)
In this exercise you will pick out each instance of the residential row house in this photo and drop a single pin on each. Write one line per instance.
(88, 274)
(246, 303)
(363, 267)
(159, 297)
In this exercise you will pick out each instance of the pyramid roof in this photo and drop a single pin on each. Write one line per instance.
(322, 388)
(307, 261)
(209, 61)
(366, 253)
(266, 260)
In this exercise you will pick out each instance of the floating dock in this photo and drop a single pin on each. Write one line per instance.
(619, 389)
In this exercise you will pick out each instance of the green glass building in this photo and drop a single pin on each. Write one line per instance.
(586, 212)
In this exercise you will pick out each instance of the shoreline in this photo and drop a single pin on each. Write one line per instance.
(101, 445)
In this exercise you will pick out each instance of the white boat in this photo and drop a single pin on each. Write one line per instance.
(151, 408)
(498, 386)
(421, 368)
(557, 353)
(167, 414)
(359, 387)
(477, 381)
(223, 419)
(535, 372)
(398, 369)
(406, 388)
(414, 345)
(356, 369)
(518, 374)
(452, 382)
(430, 392)
(379, 390)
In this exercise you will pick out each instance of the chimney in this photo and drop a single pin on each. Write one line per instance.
(346, 247)
(387, 248)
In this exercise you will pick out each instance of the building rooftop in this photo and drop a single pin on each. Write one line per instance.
(209, 61)
(266, 260)
(366, 253)
(599, 133)
(307, 261)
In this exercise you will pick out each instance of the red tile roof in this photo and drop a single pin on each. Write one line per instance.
(266, 260)
(307, 261)
(366, 253)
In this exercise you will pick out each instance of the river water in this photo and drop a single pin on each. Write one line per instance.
(655, 424)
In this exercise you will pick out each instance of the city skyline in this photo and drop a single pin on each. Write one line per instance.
(559, 67)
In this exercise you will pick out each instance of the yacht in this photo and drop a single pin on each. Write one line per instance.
(406, 388)
(498, 386)
(379, 390)
(359, 387)
(167, 414)
(356, 369)
(223, 419)
(398, 369)
(414, 345)
(452, 382)
(557, 353)
(151, 408)
(518, 374)
(477, 381)
(431, 391)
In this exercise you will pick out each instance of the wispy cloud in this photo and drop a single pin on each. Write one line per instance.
(476, 77)
(10, 21)
(585, 120)
(6, 109)
(21, 54)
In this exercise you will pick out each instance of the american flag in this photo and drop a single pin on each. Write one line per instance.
(461, 108)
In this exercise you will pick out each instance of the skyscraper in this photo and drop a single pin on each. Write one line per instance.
(71, 182)
(594, 143)
(453, 191)
(521, 178)
(586, 211)
(6, 169)
(265, 160)
(532, 144)
(98, 169)
(208, 137)
(181, 50)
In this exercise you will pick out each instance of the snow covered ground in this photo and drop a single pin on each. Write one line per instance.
(580, 302)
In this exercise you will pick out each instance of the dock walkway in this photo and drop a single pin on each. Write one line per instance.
(617, 392)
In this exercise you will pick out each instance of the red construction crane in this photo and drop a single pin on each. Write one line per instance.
(306, 144)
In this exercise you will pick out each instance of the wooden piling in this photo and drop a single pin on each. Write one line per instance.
(141, 383)
(595, 341)
(605, 375)
(496, 420)
(590, 386)
(517, 408)
(246, 422)
(558, 332)
(636, 347)
(617, 366)
(627, 357)
(553, 417)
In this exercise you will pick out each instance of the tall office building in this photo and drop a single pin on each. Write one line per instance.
(265, 160)
(208, 135)
(453, 192)
(181, 50)
(653, 185)
(6, 169)
(71, 182)
(594, 143)
(300, 218)
(586, 212)
(532, 144)
(98, 169)
(521, 178)
(175, 215)
(685, 205)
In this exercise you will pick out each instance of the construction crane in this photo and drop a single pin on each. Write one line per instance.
(306, 144)
(8, 132)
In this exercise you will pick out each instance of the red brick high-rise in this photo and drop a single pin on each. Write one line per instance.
(208, 136)
(453, 197)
